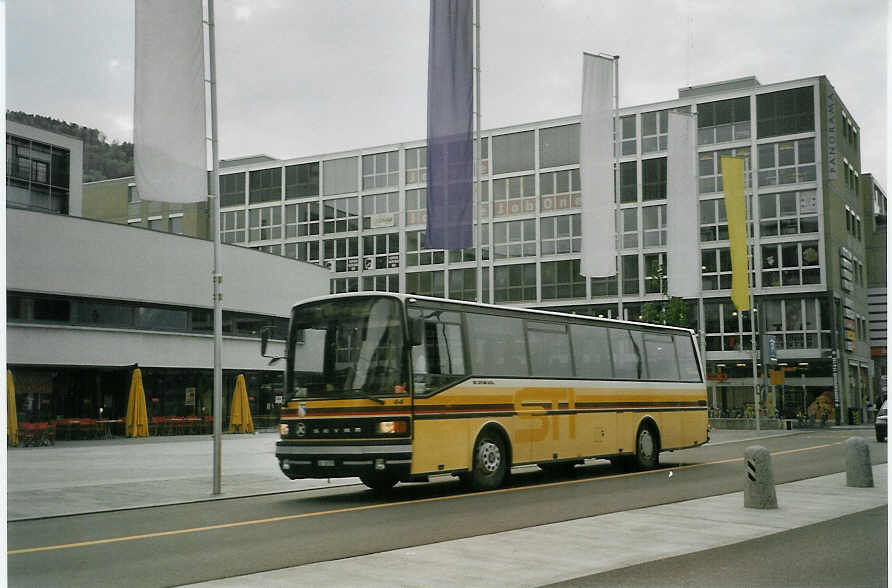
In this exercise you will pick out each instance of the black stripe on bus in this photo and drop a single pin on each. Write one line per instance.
(461, 415)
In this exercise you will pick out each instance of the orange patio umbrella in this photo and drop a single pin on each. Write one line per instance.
(137, 422)
(240, 420)
(12, 420)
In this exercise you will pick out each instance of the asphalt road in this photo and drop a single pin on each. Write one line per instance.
(201, 541)
(810, 556)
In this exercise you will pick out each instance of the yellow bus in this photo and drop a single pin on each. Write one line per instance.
(397, 387)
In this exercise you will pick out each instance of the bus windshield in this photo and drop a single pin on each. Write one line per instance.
(344, 348)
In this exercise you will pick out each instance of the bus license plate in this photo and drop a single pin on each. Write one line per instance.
(326, 463)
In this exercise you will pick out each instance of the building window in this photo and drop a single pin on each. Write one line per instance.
(302, 180)
(561, 279)
(132, 194)
(629, 138)
(560, 234)
(513, 152)
(559, 190)
(629, 227)
(381, 283)
(157, 224)
(515, 283)
(265, 223)
(417, 253)
(790, 264)
(303, 250)
(302, 219)
(266, 185)
(380, 210)
(339, 176)
(559, 146)
(724, 120)
(341, 285)
(232, 226)
(416, 165)
(514, 196)
(796, 323)
(628, 181)
(232, 190)
(175, 225)
(425, 283)
(484, 157)
(654, 225)
(603, 286)
(713, 220)
(710, 169)
(726, 329)
(381, 251)
(341, 255)
(274, 249)
(716, 268)
(416, 206)
(37, 175)
(381, 170)
(785, 112)
(653, 172)
(341, 214)
(654, 131)
(788, 162)
(656, 273)
(631, 284)
(514, 239)
(463, 284)
(788, 213)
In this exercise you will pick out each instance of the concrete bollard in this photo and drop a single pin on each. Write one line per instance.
(859, 472)
(758, 490)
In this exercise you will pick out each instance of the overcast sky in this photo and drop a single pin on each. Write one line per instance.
(300, 77)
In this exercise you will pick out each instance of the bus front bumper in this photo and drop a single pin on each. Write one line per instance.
(301, 460)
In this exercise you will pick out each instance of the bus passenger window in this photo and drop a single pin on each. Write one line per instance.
(549, 350)
(591, 352)
(626, 347)
(660, 352)
(687, 360)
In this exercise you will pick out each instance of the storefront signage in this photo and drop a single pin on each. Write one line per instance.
(353, 264)
(511, 207)
(393, 260)
(562, 202)
(416, 217)
(190, 396)
(383, 220)
(832, 161)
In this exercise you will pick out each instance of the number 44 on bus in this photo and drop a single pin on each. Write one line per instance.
(396, 388)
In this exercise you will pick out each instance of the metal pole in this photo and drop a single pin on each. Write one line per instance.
(618, 226)
(218, 269)
(753, 318)
(479, 162)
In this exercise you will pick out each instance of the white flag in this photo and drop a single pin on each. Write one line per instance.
(169, 126)
(596, 168)
(683, 216)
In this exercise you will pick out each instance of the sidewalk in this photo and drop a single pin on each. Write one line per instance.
(557, 552)
(75, 477)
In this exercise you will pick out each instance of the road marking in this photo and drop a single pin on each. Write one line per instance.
(373, 506)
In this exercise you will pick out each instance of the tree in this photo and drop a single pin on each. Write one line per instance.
(671, 310)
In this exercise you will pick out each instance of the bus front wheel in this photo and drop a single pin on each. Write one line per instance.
(490, 462)
(647, 450)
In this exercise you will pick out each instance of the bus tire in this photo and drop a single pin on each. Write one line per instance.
(647, 448)
(379, 483)
(490, 461)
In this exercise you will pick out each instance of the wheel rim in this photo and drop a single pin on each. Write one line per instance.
(489, 457)
(645, 445)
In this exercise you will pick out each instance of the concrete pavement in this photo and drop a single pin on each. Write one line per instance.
(76, 477)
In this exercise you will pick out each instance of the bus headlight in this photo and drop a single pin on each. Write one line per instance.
(283, 429)
(392, 427)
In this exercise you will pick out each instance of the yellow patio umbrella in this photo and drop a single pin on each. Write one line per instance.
(12, 419)
(137, 423)
(240, 420)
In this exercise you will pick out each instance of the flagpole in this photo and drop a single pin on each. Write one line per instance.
(617, 216)
(753, 318)
(218, 270)
(479, 154)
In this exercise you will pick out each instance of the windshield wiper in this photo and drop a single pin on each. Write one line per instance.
(365, 395)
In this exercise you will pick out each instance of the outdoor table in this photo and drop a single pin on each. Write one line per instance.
(106, 426)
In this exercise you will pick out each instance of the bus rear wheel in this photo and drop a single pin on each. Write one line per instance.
(647, 450)
(490, 462)
(378, 482)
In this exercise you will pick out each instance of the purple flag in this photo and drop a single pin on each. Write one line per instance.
(450, 149)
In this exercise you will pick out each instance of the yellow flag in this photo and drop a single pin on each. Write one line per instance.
(732, 174)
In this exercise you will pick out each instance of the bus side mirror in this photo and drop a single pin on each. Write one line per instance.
(416, 331)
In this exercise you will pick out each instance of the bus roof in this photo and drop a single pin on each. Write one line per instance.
(532, 311)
